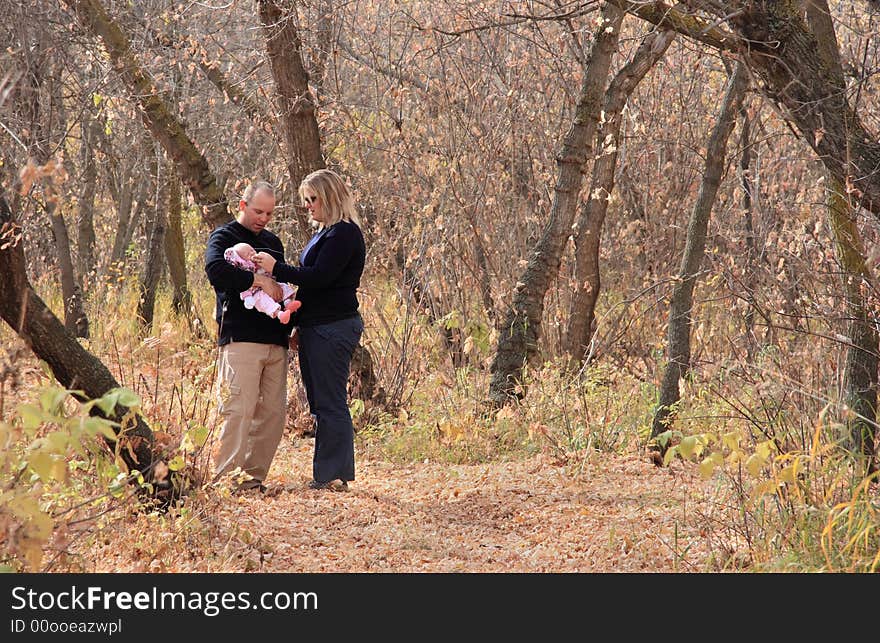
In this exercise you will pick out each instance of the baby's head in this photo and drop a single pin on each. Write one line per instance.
(244, 250)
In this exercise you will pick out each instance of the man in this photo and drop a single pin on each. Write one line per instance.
(253, 347)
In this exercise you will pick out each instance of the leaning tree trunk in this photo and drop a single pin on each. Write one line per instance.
(73, 366)
(588, 228)
(294, 98)
(519, 332)
(159, 118)
(679, 331)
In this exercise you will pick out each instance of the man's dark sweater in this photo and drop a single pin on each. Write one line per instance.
(237, 323)
(329, 275)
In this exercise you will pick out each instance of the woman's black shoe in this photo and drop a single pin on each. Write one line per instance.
(342, 486)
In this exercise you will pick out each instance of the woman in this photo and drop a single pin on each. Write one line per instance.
(329, 325)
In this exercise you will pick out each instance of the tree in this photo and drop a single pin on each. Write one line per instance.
(296, 106)
(521, 326)
(588, 228)
(73, 366)
(860, 372)
(678, 351)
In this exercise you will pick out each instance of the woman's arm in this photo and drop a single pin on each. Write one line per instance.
(333, 255)
(268, 286)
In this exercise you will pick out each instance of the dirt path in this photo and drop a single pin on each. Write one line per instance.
(617, 514)
(620, 514)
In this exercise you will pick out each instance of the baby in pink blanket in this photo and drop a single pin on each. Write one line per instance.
(240, 255)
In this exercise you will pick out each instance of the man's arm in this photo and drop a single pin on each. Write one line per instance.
(222, 274)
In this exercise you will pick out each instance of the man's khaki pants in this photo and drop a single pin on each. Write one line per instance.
(253, 404)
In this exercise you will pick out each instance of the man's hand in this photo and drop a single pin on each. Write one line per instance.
(265, 261)
(268, 286)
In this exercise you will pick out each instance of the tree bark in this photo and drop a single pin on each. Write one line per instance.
(520, 329)
(154, 258)
(294, 98)
(588, 228)
(39, 144)
(745, 179)
(85, 225)
(860, 370)
(128, 212)
(680, 321)
(175, 250)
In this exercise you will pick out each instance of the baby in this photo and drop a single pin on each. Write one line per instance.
(241, 255)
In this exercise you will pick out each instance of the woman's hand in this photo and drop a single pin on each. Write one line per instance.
(265, 261)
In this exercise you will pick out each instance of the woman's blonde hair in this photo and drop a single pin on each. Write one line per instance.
(336, 199)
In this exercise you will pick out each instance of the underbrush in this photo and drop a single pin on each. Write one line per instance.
(785, 493)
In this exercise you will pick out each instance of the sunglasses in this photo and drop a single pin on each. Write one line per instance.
(310, 199)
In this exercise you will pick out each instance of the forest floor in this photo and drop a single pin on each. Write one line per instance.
(607, 513)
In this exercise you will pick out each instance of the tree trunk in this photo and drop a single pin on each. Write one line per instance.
(588, 228)
(175, 249)
(154, 257)
(85, 226)
(73, 366)
(860, 371)
(295, 102)
(39, 143)
(745, 179)
(520, 330)
(679, 331)
(128, 212)
(75, 320)
(159, 118)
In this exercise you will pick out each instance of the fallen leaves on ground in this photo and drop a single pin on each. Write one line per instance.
(611, 513)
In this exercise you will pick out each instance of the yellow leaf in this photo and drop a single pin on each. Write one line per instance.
(754, 464)
(42, 464)
(787, 474)
(731, 440)
(707, 468)
(764, 488)
(764, 449)
(58, 441)
(176, 463)
(687, 446)
(31, 416)
(51, 399)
